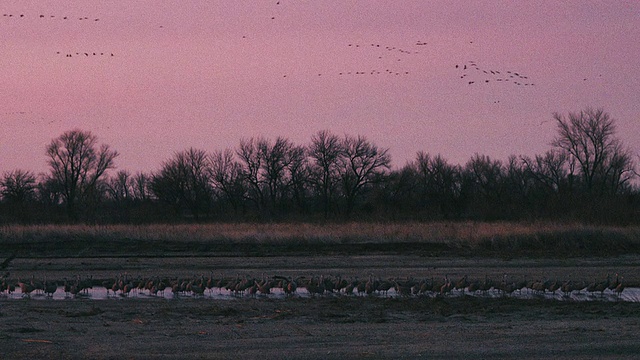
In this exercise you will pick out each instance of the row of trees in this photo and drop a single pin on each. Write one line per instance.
(586, 175)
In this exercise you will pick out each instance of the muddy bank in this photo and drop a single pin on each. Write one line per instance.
(318, 328)
(579, 269)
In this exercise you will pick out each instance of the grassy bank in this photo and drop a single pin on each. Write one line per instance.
(430, 239)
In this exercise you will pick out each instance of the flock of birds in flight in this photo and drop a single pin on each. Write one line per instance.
(63, 18)
(473, 74)
(371, 58)
(374, 59)
(23, 16)
(384, 55)
(389, 58)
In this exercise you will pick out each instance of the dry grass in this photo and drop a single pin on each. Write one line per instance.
(473, 234)
(442, 232)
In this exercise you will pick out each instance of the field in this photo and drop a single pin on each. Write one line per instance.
(327, 326)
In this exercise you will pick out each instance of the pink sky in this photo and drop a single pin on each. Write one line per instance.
(205, 74)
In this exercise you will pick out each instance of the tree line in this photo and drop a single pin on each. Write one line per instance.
(587, 175)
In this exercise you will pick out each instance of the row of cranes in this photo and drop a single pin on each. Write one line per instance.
(316, 285)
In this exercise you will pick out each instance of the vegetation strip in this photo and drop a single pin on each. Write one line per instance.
(502, 239)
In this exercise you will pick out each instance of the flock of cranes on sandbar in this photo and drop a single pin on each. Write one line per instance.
(316, 285)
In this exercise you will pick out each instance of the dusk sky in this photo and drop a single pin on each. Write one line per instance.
(206, 74)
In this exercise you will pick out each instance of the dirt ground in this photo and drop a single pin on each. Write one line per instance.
(318, 328)
(323, 327)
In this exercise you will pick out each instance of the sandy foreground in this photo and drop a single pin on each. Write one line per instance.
(318, 328)
(321, 327)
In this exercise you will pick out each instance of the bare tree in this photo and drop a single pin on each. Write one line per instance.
(549, 170)
(49, 191)
(298, 175)
(267, 170)
(183, 182)
(140, 186)
(483, 186)
(363, 162)
(77, 164)
(120, 186)
(486, 174)
(589, 138)
(17, 186)
(251, 158)
(17, 190)
(326, 152)
(275, 168)
(227, 178)
(439, 182)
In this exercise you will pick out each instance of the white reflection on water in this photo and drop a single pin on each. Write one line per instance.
(101, 293)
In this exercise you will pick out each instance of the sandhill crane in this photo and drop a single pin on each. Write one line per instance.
(161, 285)
(196, 287)
(619, 288)
(176, 287)
(435, 285)
(462, 283)
(554, 286)
(596, 286)
(472, 287)
(403, 288)
(85, 284)
(360, 286)
(316, 287)
(291, 287)
(264, 287)
(348, 290)
(486, 285)
(211, 283)
(126, 289)
(507, 287)
(384, 286)
(67, 287)
(26, 288)
(447, 286)
(370, 286)
(340, 284)
(7, 286)
(108, 284)
(615, 283)
(567, 288)
(50, 287)
(423, 287)
(243, 285)
(539, 287)
(36, 284)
